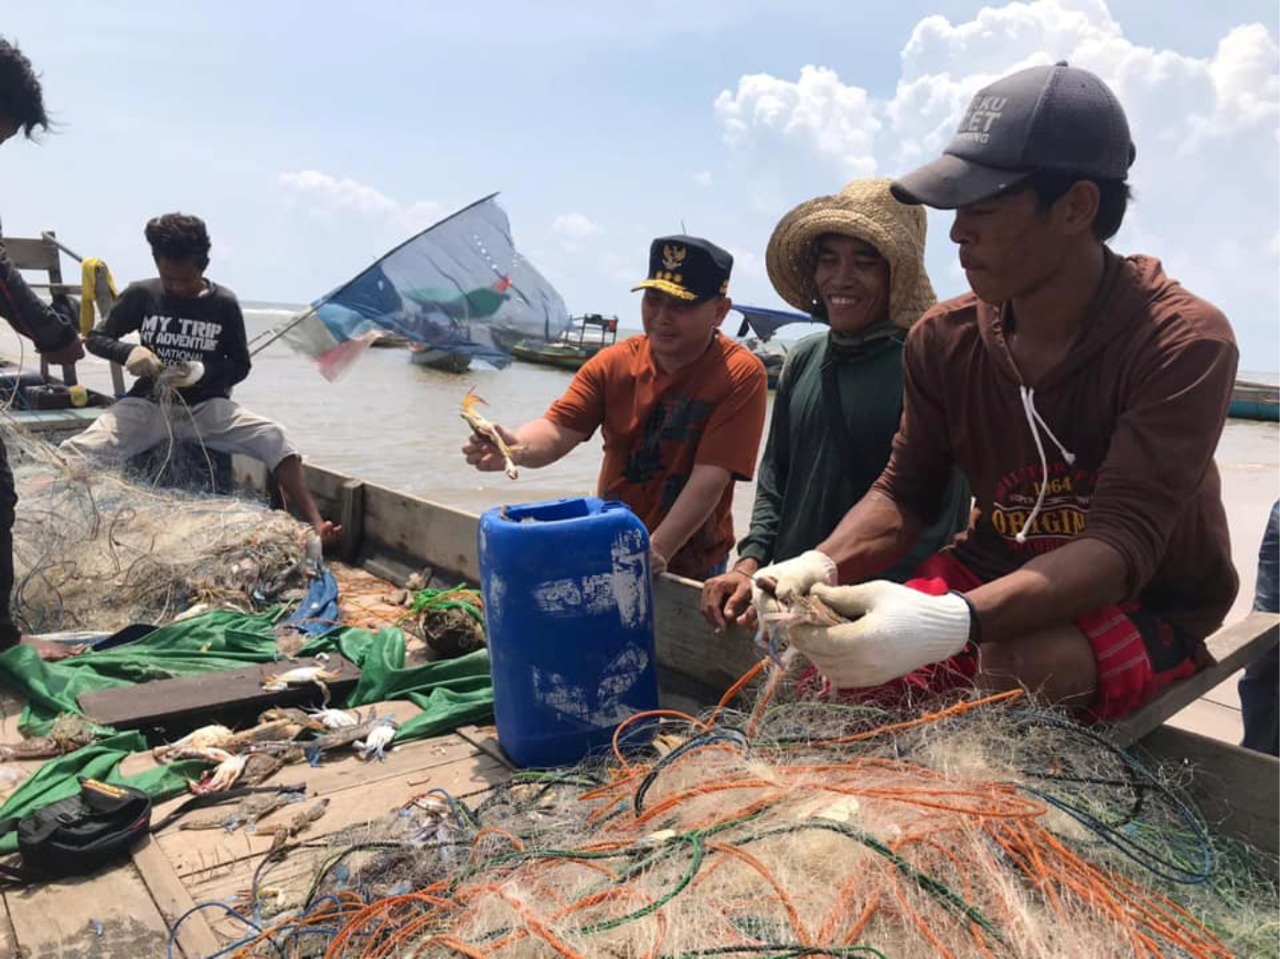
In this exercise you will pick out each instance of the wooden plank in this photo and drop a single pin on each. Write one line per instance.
(425, 532)
(418, 532)
(137, 763)
(1210, 719)
(351, 519)
(8, 940)
(688, 646)
(1233, 647)
(31, 254)
(109, 915)
(485, 739)
(355, 806)
(168, 702)
(402, 532)
(194, 936)
(1237, 790)
(191, 850)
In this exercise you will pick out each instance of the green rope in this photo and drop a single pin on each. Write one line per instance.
(459, 597)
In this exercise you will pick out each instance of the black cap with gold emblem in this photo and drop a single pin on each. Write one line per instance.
(688, 268)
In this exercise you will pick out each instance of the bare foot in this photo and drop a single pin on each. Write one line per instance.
(50, 651)
(330, 535)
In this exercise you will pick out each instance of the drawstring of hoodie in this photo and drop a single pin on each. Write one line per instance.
(1035, 421)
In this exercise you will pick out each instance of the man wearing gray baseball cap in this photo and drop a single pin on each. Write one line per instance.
(1082, 393)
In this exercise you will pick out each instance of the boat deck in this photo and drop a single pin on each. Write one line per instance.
(127, 912)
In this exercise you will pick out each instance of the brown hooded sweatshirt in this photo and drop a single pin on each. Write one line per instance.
(1128, 423)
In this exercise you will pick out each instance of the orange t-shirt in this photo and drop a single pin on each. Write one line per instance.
(657, 426)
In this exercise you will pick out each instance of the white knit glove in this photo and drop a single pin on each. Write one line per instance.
(143, 364)
(183, 375)
(795, 576)
(897, 630)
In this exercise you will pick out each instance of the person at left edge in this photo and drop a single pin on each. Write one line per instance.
(22, 111)
(681, 409)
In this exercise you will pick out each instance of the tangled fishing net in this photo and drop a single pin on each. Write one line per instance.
(982, 828)
(95, 549)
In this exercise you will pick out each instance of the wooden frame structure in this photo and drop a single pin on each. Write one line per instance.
(45, 255)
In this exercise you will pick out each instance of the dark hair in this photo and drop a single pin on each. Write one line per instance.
(179, 237)
(1050, 186)
(20, 96)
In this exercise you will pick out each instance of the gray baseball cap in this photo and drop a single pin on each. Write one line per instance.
(1043, 118)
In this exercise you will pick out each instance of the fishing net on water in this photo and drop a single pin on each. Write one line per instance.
(96, 549)
(977, 828)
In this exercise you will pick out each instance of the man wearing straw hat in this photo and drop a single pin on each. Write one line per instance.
(681, 410)
(856, 261)
(1083, 394)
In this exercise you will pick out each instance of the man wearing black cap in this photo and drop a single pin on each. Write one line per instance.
(1082, 393)
(681, 409)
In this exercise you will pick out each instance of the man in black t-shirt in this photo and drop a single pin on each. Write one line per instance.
(192, 351)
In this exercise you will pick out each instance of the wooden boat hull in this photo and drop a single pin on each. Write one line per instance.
(505, 338)
(395, 534)
(565, 358)
(440, 360)
(1255, 401)
(138, 905)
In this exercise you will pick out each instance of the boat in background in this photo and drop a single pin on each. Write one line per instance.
(1255, 401)
(505, 337)
(420, 355)
(574, 347)
(762, 323)
(389, 340)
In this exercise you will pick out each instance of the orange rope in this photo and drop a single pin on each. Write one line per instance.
(941, 821)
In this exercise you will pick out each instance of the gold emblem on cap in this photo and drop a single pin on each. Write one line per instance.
(672, 256)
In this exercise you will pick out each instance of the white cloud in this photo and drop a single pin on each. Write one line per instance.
(323, 194)
(702, 178)
(816, 111)
(1207, 176)
(574, 228)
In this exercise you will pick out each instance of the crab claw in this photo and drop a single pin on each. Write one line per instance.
(221, 777)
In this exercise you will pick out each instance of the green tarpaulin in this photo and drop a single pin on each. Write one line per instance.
(450, 694)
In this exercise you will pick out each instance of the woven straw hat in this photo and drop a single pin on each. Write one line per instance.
(867, 210)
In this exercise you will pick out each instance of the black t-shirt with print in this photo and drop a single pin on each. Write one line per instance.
(208, 328)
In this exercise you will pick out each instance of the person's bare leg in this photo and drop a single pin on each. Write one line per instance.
(50, 651)
(1056, 665)
(294, 487)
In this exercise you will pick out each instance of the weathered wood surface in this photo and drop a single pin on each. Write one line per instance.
(1233, 646)
(215, 866)
(194, 935)
(8, 940)
(402, 533)
(688, 646)
(27, 254)
(485, 739)
(164, 702)
(359, 792)
(109, 915)
(369, 795)
(351, 519)
(1236, 790)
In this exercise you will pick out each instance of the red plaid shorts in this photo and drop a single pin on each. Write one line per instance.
(1138, 653)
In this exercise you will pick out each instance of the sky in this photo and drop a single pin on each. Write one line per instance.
(314, 136)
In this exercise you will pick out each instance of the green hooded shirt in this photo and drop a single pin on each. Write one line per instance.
(815, 467)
